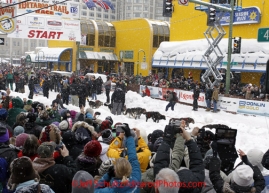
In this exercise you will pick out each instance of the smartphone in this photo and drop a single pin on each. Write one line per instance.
(119, 128)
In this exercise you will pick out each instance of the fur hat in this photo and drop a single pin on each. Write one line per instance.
(83, 177)
(105, 125)
(22, 170)
(18, 130)
(64, 125)
(20, 139)
(243, 176)
(4, 135)
(255, 158)
(46, 149)
(93, 148)
(107, 136)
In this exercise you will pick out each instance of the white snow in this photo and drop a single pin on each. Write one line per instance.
(252, 132)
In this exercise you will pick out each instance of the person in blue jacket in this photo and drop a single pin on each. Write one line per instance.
(125, 175)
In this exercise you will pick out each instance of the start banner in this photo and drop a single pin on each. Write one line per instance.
(40, 27)
(52, 8)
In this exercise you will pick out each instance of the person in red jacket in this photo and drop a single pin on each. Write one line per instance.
(146, 92)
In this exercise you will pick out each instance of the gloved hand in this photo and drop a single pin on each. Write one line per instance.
(126, 130)
(214, 147)
(111, 172)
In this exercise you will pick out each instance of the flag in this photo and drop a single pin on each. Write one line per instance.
(90, 4)
(109, 4)
(101, 4)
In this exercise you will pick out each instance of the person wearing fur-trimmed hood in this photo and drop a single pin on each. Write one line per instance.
(125, 175)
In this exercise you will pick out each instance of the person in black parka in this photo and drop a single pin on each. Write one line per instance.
(194, 174)
(31, 86)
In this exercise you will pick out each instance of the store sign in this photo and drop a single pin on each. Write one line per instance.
(38, 27)
(7, 22)
(64, 10)
(245, 16)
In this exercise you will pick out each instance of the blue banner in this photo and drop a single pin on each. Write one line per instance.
(245, 16)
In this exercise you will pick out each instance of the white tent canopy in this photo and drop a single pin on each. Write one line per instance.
(189, 54)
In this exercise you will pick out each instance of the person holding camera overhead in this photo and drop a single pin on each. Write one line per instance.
(117, 147)
(125, 174)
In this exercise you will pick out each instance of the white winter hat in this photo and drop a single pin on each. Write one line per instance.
(243, 175)
(64, 125)
(255, 158)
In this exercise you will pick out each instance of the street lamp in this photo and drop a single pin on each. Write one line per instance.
(38, 57)
(138, 60)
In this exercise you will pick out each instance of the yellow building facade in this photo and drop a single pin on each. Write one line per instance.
(190, 24)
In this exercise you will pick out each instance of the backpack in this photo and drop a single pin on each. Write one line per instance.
(3, 175)
(175, 98)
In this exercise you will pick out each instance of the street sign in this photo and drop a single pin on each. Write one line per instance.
(2, 41)
(183, 2)
(263, 35)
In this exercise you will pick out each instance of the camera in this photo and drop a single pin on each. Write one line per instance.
(175, 124)
(119, 128)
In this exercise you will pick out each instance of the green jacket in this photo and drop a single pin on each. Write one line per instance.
(17, 108)
(10, 76)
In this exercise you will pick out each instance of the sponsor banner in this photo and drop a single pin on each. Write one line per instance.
(39, 27)
(164, 92)
(8, 23)
(187, 97)
(253, 107)
(67, 9)
(153, 91)
(228, 104)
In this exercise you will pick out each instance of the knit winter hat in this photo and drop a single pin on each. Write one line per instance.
(64, 125)
(73, 114)
(80, 178)
(103, 169)
(255, 158)
(105, 125)
(157, 143)
(18, 130)
(46, 149)
(3, 114)
(22, 170)
(107, 136)
(20, 139)
(155, 135)
(93, 148)
(56, 123)
(89, 110)
(110, 119)
(4, 135)
(243, 176)
(89, 121)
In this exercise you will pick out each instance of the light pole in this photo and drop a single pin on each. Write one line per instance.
(138, 60)
(38, 57)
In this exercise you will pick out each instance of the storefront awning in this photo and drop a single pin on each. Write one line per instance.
(98, 56)
(51, 54)
(189, 54)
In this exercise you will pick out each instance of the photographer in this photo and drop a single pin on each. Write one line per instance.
(124, 175)
(195, 173)
(117, 149)
(242, 179)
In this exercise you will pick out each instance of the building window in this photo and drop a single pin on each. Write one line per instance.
(138, 1)
(129, 1)
(84, 13)
(99, 9)
(128, 15)
(112, 17)
(129, 7)
(92, 14)
(14, 43)
(137, 8)
(106, 16)
(99, 15)
(18, 43)
(137, 14)
(145, 15)
(84, 7)
(146, 8)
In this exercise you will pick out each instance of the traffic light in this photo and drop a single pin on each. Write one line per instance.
(237, 45)
(167, 8)
(211, 16)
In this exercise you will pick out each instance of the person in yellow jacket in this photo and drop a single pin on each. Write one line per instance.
(116, 149)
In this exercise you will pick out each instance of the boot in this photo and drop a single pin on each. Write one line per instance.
(207, 109)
